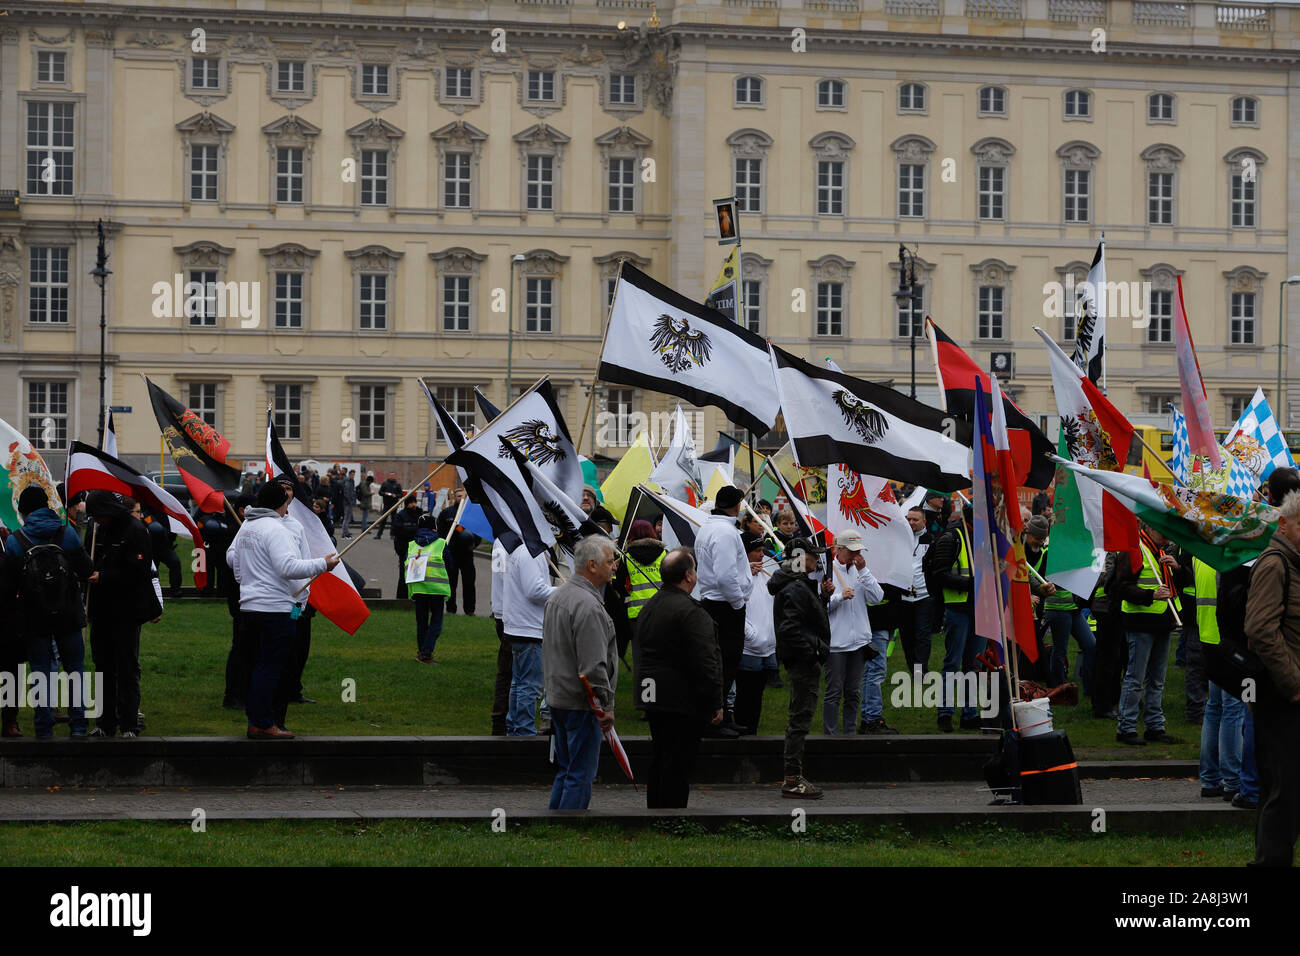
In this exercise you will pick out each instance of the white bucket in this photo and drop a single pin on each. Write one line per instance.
(1033, 717)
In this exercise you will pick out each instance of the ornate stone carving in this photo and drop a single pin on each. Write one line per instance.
(375, 132)
(457, 261)
(610, 263)
(912, 148)
(830, 268)
(749, 144)
(657, 53)
(992, 151)
(251, 42)
(585, 56)
(1077, 154)
(623, 139)
(418, 49)
(542, 262)
(831, 145)
(100, 37)
(374, 258)
(992, 272)
(48, 38)
(1162, 158)
(289, 257)
(290, 130)
(336, 45)
(541, 138)
(459, 135)
(206, 124)
(11, 278)
(153, 39)
(1161, 276)
(1245, 279)
(204, 253)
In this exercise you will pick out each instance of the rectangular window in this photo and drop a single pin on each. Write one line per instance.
(290, 76)
(910, 319)
(459, 402)
(1237, 405)
(1160, 199)
(830, 308)
(203, 173)
(749, 91)
(459, 83)
(374, 301)
(749, 185)
(753, 305)
(205, 73)
(622, 191)
(611, 286)
(992, 192)
(1243, 201)
(51, 67)
(1070, 322)
(47, 285)
(1077, 195)
(374, 177)
(288, 300)
(622, 89)
(989, 316)
(455, 192)
(455, 303)
(1242, 319)
(541, 85)
(993, 100)
(1157, 403)
(372, 413)
(618, 403)
(830, 94)
(47, 414)
(541, 182)
(911, 190)
(203, 401)
(286, 411)
(288, 174)
(1078, 103)
(830, 187)
(1161, 327)
(374, 79)
(201, 298)
(538, 305)
(49, 149)
(1243, 110)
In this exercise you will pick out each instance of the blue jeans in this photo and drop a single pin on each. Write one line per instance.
(752, 662)
(577, 739)
(1221, 740)
(1064, 624)
(873, 680)
(1249, 771)
(525, 688)
(1144, 681)
(45, 655)
(961, 647)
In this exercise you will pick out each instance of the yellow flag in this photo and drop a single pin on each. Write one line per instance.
(730, 270)
(632, 470)
(716, 483)
(723, 294)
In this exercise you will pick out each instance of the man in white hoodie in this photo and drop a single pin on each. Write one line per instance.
(855, 588)
(527, 586)
(726, 579)
(270, 560)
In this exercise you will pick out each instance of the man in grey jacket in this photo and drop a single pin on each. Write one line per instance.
(578, 641)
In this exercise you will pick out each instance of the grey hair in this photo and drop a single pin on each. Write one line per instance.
(1290, 506)
(591, 548)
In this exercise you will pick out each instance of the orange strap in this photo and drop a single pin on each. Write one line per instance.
(1064, 766)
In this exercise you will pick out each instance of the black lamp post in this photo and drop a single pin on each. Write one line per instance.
(101, 272)
(908, 294)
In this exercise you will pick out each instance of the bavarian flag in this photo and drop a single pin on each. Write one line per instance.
(724, 296)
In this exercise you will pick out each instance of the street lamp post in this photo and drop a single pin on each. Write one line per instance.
(101, 272)
(909, 294)
(510, 334)
(1284, 416)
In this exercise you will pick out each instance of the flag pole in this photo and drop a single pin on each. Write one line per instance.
(1147, 446)
(595, 376)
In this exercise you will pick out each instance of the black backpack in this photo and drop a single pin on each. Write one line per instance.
(1231, 662)
(47, 587)
(931, 569)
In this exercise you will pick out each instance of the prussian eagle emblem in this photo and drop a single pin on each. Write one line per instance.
(870, 424)
(566, 535)
(854, 503)
(679, 346)
(535, 440)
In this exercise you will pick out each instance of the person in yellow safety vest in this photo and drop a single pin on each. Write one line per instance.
(1065, 618)
(1148, 597)
(1221, 727)
(638, 577)
(1189, 654)
(430, 590)
(952, 551)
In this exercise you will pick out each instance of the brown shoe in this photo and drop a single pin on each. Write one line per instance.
(268, 733)
(11, 730)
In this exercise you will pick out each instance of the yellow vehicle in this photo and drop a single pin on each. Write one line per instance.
(1140, 454)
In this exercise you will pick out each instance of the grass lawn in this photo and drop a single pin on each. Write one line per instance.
(670, 842)
(183, 659)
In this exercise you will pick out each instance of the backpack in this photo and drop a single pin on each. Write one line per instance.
(48, 588)
(1231, 662)
(931, 569)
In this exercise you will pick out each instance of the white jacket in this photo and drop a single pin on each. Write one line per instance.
(499, 558)
(527, 586)
(850, 624)
(721, 563)
(270, 559)
(760, 630)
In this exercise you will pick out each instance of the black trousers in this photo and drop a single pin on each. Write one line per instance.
(239, 662)
(401, 578)
(1108, 669)
(730, 623)
(749, 698)
(1277, 755)
(675, 739)
(13, 649)
(115, 647)
(1197, 684)
(501, 689)
(172, 562)
(291, 682)
(914, 629)
(462, 569)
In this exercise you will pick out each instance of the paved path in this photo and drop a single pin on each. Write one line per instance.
(376, 561)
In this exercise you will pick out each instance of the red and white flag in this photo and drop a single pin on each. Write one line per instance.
(332, 594)
(1196, 408)
(867, 504)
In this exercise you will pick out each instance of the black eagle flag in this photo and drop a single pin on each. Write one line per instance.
(198, 450)
(834, 418)
(661, 341)
(568, 522)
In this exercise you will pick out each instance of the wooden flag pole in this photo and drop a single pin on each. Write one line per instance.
(1148, 447)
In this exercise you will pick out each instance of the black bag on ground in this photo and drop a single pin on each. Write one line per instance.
(1048, 771)
(1002, 771)
(48, 593)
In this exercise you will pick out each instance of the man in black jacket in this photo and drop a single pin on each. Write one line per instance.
(952, 552)
(389, 493)
(803, 644)
(461, 544)
(678, 678)
(405, 524)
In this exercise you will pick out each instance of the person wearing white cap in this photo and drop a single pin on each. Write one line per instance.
(855, 588)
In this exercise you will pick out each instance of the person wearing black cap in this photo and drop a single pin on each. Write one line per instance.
(803, 643)
(405, 523)
(48, 583)
(725, 580)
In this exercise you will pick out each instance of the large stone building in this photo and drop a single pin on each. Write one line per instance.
(381, 182)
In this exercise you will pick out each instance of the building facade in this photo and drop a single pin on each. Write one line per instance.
(312, 205)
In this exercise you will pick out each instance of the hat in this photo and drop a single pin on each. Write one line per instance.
(750, 541)
(33, 497)
(601, 514)
(850, 538)
(798, 546)
(272, 495)
(594, 493)
(1038, 526)
(728, 497)
(427, 520)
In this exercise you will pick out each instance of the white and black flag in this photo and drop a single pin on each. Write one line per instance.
(834, 418)
(661, 341)
(1090, 308)
(568, 523)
